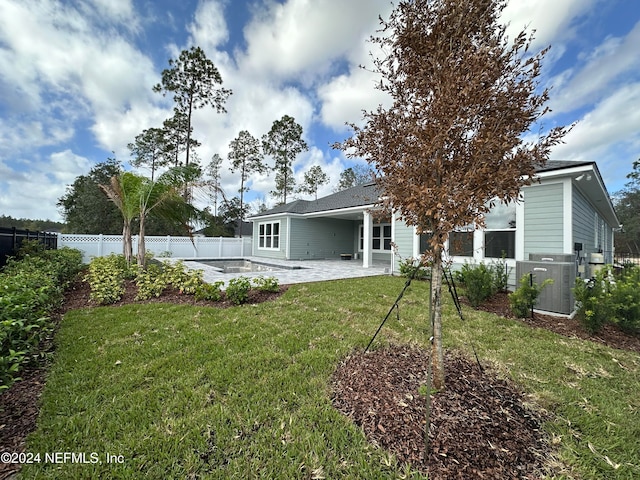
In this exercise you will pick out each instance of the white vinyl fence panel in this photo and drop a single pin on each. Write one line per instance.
(160, 246)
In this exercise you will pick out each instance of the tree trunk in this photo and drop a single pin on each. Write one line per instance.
(127, 246)
(437, 356)
(141, 246)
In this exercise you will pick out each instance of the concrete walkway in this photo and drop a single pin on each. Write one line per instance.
(291, 271)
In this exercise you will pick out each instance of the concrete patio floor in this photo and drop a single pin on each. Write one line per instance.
(292, 271)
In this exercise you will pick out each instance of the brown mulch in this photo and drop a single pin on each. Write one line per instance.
(480, 426)
(610, 335)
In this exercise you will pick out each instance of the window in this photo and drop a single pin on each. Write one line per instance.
(380, 237)
(497, 244)
(500, 234)
(461, 244)
(425, 239)
(269, 236)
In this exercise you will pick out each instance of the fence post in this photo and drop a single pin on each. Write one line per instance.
(168, 245)
(219, 247)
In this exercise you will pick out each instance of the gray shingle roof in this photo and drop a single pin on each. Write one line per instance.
(358, 196)
(560, 164)
(368, 194)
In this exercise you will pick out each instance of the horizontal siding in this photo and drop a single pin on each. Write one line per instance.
(403, 240)
(584, 228)
(590, 228)
(320, 238)
(543, 219)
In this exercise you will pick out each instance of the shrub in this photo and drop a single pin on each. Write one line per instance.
(268, 284)
(524, 298)
(178, 276)
(238, 290)
(412, 266)
(151, 282)
(30, 288)
(210, 292)
(603, 299)
(478, 282)
(626, 300)
(106, 277)
(500, 275)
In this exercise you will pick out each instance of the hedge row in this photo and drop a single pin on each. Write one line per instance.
(31, 288)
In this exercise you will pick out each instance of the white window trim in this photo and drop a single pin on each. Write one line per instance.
(272, 236)
(382, 237)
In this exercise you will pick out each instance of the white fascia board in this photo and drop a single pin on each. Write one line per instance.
(272, 216)
(338, 211)
(563, 172)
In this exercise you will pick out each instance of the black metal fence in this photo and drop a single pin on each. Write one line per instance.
(627, 258)
(11, 239)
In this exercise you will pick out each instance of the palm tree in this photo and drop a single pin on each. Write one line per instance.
(137, 196)
(123, 190)
(164, 198)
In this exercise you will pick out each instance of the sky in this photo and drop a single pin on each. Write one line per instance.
(76, 80)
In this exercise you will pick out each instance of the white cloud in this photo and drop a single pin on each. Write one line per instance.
(552, 20)
(209, 29)
(615, 119)
(299, 39)
(609, 135)
(65, 60)
(346, 96)
(120, 11)
(33, 191)
(605, 66)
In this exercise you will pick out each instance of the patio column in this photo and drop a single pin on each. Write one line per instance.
(367, 255)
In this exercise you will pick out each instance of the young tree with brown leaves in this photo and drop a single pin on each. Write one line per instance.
(452, 140)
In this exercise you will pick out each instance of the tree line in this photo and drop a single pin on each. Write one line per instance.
(194, 82)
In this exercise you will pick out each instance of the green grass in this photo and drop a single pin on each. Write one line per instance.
(195, 392)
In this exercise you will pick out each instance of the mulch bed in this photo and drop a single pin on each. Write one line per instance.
(479, 426)
(610, 335)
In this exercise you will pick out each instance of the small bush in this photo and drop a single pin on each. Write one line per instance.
(178, 276)
(500, 275)
(625, 298)
(604, 298)
(106, 277)
(478, 282)
(266, 284)
(412, 267)
(151, 282)
(238, 290)
(210, 292)
(524, 298)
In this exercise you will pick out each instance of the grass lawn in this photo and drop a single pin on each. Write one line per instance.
(175, 391)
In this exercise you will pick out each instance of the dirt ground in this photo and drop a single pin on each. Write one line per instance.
(479, 427)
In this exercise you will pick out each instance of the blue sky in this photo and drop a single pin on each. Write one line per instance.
(76, 80)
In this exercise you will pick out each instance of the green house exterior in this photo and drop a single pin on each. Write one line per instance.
(567, 204)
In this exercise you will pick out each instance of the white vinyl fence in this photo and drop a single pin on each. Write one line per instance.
(167, 246)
